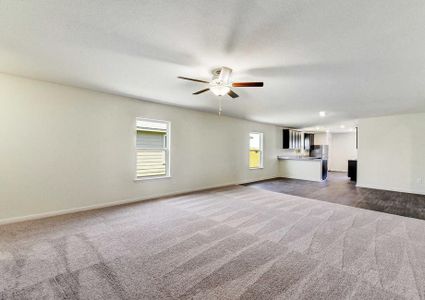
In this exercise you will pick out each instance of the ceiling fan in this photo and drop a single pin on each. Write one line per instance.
(220, 84)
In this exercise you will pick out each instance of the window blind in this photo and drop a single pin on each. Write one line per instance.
(152, 148)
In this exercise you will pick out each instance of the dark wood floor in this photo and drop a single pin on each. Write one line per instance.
(339, 189)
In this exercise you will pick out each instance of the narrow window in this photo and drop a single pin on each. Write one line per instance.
(255, 150)
(152, 147)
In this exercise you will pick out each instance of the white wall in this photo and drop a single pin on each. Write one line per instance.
(391, 153)
(66, 148)
(342, 149)
(322, 138)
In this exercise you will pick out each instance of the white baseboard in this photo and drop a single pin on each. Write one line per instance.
(390, 188)
(115, 203)
(65, 211)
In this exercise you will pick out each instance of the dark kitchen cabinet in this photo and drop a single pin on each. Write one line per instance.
(286, 138)
(291, 139)
(308, 140)
(352, 170)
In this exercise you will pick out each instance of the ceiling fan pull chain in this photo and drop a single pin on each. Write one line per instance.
(219, 106)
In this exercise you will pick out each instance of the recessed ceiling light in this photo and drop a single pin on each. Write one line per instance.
(322, 113)
(342, 126)
(327, 130)
(317, 128)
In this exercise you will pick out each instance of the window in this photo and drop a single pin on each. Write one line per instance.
(255, 150)
(152, 147)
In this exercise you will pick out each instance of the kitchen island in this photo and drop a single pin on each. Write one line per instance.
(302, 167)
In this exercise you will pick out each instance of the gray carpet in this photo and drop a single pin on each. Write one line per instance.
(231, 243)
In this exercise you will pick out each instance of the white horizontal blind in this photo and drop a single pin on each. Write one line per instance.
(151, 163)
(152, 148)
(150, 139)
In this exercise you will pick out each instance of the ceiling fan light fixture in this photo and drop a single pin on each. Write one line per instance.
(219, 90)
(221, 83)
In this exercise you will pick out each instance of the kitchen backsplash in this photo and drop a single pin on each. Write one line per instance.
(292, 152)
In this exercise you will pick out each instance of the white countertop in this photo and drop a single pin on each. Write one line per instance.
(303, 158)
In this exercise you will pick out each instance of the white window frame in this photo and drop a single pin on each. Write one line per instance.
(167, 150)
(261, 149)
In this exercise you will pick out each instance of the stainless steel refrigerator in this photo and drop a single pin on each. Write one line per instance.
(321, 152)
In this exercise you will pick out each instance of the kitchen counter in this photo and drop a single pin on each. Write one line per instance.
(297, 158)
(300, 167)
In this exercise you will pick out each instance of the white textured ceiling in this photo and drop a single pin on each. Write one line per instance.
(353, 59)
(339, 127)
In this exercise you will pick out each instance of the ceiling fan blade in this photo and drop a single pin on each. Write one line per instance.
(232, 94)
(248, 84)
(201, 91)
(192, 79)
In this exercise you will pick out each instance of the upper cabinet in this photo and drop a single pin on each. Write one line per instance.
(292, 139)
(286, 138)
